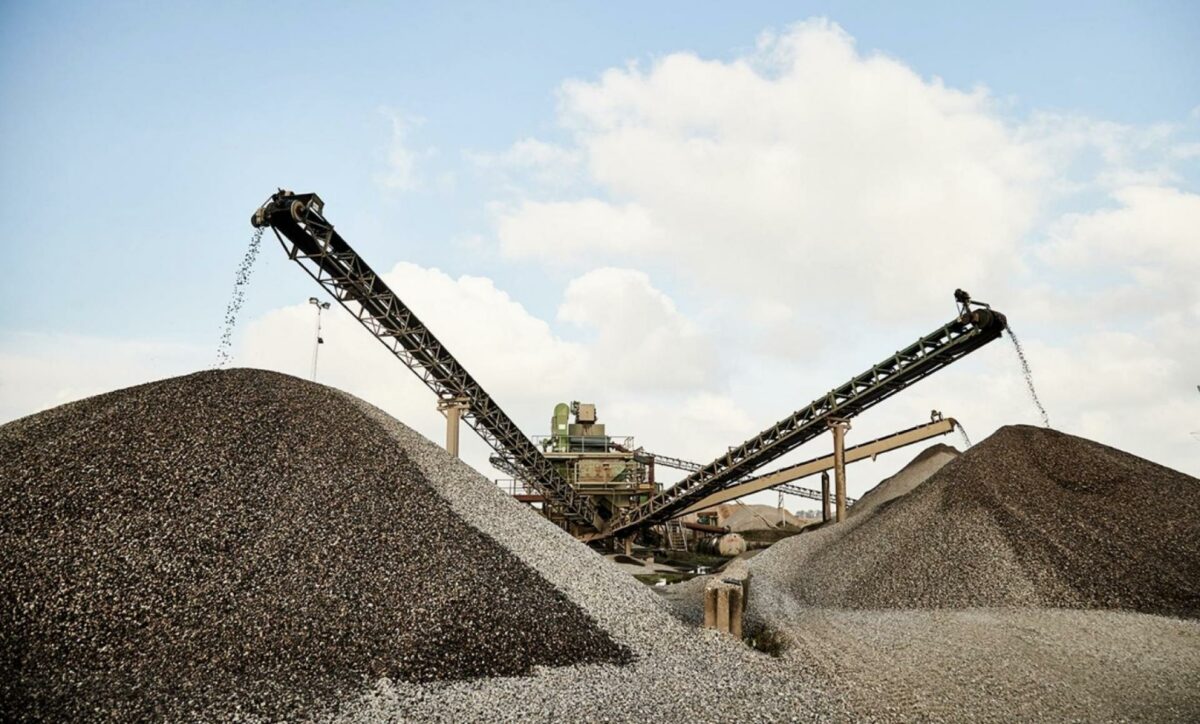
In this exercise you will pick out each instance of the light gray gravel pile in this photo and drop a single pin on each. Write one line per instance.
(246, 542)
(680, 673)
(918, 470)
(1029, 517)
(973, 535)
(750, 517)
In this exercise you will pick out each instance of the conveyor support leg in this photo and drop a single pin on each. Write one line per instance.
(839, 428)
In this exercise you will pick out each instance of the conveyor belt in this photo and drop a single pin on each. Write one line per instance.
(311, 241)
(972, 329)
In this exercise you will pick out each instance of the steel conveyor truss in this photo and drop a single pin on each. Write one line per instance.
(807, 493)
(972, 329)
(311, 241)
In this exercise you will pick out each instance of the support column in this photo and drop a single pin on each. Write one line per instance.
(453, 410)
(826, 507)
(839, 428)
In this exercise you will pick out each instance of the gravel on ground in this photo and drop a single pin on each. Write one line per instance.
(681, 674)
(929, 651)
(1024, 665)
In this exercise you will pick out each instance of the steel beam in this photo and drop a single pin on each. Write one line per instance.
(809, 493)
(825, 463)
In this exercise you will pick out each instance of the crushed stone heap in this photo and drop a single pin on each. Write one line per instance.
(918, 470)
(1029, 517)
(243, 544)
(246, 542)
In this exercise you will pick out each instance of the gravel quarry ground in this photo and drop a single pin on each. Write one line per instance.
(680, 673)
(1030, 665)
(246, 544)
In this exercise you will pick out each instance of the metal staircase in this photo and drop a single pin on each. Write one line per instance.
(675, 535)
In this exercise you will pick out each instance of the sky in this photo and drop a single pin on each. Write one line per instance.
(698, 216)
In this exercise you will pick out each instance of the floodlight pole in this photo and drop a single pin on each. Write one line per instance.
(318, 341)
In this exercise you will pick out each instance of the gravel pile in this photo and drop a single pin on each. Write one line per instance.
(1030, 517)
(749, 516)
(918, 470)
(242, 543)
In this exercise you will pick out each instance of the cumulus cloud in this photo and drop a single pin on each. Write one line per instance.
(570, 232)
(531, 163)
(642, 340)
(807, 167)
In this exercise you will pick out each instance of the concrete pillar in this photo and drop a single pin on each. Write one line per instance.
(723, 609)
(710, 607)
(453, 410)
(735, 612)
(826, 509)
(839, 428)
(629, 546)
(725, 603)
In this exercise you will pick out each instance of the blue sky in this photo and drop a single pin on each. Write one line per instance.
(138, 138)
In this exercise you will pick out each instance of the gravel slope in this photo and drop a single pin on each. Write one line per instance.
(245, 541)
(747, 517)
(1029, 517)
(680, 674)
(918, 470)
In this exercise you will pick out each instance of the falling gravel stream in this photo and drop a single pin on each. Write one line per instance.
(240, 280)
(962, 432)
(1028, 377)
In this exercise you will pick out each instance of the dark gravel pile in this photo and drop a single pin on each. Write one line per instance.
(1029, 517)
(246, 543)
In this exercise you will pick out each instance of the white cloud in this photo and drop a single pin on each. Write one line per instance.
(1153, 227)
(536, 163)
(642, 340)
(39, 371)
(806, 168)
(570, 231)
(402, 159)
(827, 199)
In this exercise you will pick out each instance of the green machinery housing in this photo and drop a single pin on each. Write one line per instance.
(609, 471)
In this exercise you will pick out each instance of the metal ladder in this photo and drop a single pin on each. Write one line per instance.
(676, 535)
